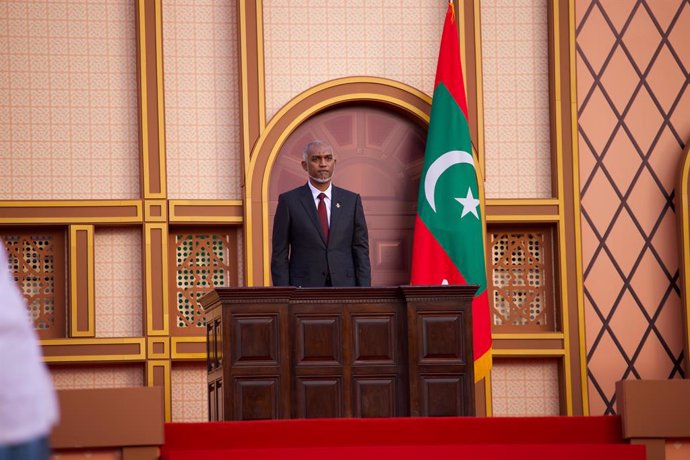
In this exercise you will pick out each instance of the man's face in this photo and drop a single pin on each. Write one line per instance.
(320, 164)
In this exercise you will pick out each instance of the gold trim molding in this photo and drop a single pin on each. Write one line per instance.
(683, 216)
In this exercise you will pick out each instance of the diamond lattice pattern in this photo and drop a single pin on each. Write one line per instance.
(634, 121)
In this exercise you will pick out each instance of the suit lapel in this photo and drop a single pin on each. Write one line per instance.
(307, 200)
(336, 211)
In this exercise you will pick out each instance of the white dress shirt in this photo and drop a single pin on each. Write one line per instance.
(316, 192)
(28, 404)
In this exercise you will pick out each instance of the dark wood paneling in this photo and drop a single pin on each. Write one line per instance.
(255, 341)
(213, 401)
(442, 339)
(442, 396)
(318, 341)
(220, 395)
(256, 398)
(340, 352)
(318, 397)
(375, 340)
(441, 352)
(376, 397)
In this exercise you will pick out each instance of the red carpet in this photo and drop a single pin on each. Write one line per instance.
(590, 438)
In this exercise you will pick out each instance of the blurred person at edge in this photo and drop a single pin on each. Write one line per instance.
(28, 404)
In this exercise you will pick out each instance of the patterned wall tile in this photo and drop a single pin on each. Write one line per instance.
(118, 282)
(68, 88)
(202, 111)
(97, 376)
(189, 392)
(525, 387)
(515, 69)
(633, 73)
(309, 42)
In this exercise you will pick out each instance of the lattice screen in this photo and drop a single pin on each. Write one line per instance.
(521, 280)
(203, 261)
(37, 261)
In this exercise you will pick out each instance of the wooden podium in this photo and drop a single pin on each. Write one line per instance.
(285, 352)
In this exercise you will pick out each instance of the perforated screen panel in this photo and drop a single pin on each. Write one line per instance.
(521, 280)
(37, 262)
(202, 262)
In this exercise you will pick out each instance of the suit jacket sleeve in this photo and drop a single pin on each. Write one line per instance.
(280, 263)
(360, 246)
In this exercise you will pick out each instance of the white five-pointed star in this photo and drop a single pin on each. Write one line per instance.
(469, 204)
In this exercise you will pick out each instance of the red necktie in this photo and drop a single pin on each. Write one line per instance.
(323, 217)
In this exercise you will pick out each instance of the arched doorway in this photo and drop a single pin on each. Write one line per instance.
(379, 155)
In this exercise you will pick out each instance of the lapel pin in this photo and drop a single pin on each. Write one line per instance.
(337, 205)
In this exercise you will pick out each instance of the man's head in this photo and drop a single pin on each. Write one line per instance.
(318, 160)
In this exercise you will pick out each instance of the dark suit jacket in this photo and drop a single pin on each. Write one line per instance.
(301, 256)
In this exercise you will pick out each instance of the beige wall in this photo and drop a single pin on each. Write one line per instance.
(70, 128)
(515, 79)
(307, 43)
(69, 99)
(202, 123)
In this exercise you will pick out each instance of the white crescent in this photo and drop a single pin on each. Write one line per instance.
(438, 167)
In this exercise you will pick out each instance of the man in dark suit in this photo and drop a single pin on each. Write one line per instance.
(320, 235)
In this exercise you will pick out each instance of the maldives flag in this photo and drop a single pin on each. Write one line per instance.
(448, 245)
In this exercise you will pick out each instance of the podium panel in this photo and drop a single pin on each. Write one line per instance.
(289, 352)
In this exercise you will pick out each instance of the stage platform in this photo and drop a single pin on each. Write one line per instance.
(533, 438)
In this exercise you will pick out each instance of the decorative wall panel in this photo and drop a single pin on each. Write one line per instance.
(203, 261)
(634, 120)
(118, 281)
(37, 260)
(525, 387)
(520, 267)
(515, 70)
(97, 376)
(202, 111)
(68, 88)
(308, 42)
(189, 392)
